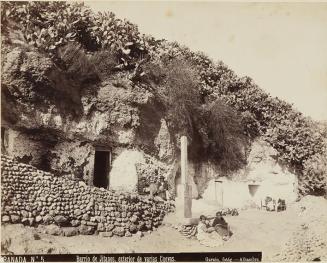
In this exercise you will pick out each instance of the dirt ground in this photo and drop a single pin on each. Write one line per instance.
(299, 233)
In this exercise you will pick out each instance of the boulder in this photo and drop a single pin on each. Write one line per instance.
(106, 234)
(47, 219)
(119, 231)
(134, 219)
(86, 230)
(60, 220)
(77, 212)
(81, 184)
(75, 223)
(38, 219)
(69, 231)
(93, 224)
(101, 227)
(5, 219)
(24, 213)
(52, 213)
(86, 217)
(128, 234)
(25, 221)
(133, 228)
(15, 219)
(52, 230)
(110, 227)
(141, 226)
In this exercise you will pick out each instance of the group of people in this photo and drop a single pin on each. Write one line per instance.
(212, 232)
(271, 204)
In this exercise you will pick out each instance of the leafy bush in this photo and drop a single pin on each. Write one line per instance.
(314, 177)
(296, 140)
(119, 36)
(50, 25)
(250, 124)
(322, 127)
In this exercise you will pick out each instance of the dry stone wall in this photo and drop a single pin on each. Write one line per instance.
(34, 197)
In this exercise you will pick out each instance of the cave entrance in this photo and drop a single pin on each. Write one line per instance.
(102, 162)
(253, 188)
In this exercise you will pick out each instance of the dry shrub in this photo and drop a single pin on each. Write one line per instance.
(76, 63)
(104, 62)
(226, 143)
(155, 72)
(181, 96)
(215, 130)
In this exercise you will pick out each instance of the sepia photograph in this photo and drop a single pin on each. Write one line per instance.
(163, 131)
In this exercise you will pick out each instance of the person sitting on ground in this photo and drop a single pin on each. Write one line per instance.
(221, 226)
(207, 234)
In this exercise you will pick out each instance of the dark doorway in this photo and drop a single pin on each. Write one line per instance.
(101, 169)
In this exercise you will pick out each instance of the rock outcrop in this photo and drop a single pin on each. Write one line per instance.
(55, 123)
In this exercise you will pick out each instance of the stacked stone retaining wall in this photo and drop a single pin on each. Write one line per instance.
(34, 197)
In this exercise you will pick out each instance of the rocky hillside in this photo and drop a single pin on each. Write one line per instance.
(72, 79)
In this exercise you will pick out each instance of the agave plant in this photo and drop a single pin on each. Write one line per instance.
(49, 25)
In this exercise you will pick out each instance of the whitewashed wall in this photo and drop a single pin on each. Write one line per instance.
(123, 175)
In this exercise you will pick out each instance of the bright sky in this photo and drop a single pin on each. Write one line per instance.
(282, 46)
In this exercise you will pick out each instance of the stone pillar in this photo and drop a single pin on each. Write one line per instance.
(186, 184)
